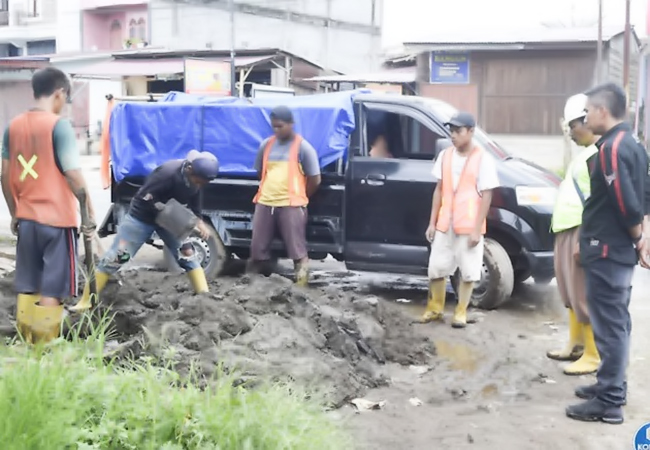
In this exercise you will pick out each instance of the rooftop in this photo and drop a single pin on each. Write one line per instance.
(529, 38)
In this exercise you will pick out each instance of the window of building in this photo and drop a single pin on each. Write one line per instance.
(116, 39)
(142, 30)
(132, 29)
(34, 8)
(4, 5)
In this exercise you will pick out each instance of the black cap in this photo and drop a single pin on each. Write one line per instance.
(462, 119)
(282, 113)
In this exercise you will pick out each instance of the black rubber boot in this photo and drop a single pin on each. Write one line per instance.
(589, 392)
(595, 410)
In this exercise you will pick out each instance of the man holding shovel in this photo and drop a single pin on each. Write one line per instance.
(174, 182)
(44, 187)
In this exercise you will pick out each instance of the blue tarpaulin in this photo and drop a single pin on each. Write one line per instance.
(145, 135)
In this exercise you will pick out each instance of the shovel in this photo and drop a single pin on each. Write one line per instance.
(89, 258)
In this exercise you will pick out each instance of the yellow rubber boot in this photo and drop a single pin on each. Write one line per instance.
(46, 323)
(198, 280)
(464, 296)
(436, 303)
(590, 359)
(101, 278)
(302, 274)
(24, 314)
(574, 347)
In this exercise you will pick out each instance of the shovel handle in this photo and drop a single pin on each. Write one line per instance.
(89, 260)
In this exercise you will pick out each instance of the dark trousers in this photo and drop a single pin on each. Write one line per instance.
(290, 221)
(609, 288)
(46, 260)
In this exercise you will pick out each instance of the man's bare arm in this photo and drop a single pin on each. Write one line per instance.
(484, 208)
(78, 186)
(6, 190)
(312, 184)
(436, 202)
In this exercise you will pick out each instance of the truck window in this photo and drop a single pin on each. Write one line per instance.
(392, 134)
(419, 140)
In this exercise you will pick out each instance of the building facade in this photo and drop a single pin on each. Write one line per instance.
(342, 35)
(520, 86)
(27, 27)
(99, 25)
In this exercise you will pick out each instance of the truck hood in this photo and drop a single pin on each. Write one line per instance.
(516, 172)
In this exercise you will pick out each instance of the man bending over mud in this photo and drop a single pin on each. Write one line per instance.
(180, 180)
(289, 173)
(43, 186)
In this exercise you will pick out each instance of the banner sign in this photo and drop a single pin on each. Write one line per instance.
(449, 68)
(203, 77)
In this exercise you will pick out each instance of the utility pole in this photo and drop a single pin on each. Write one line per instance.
(599, 51)
(626, 53)
(233, 69)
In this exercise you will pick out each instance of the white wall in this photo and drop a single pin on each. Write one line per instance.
(99, 89)
(185, 26)
(68, 26)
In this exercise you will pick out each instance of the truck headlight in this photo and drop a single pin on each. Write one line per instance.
(535, 195)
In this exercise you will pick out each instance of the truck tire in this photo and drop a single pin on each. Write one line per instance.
(497, 280)
(212, 253)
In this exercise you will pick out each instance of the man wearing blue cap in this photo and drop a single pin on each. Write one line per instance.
(180, 180)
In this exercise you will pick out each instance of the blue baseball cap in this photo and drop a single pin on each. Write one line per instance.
(204, 164)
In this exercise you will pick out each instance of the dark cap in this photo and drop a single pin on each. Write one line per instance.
(282, 113)
(204, 164)
(462, 119)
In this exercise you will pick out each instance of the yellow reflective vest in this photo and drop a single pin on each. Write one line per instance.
(567, 213)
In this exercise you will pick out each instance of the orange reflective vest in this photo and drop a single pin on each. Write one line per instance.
(460, 208)
(296, 179)
(39, 189)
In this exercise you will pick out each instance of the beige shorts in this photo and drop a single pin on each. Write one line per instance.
(450, 252)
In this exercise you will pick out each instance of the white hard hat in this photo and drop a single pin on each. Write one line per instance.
(575, 108)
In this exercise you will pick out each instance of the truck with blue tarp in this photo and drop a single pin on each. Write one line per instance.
(369, 212)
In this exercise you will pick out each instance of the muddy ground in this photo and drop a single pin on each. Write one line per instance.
(489, 386)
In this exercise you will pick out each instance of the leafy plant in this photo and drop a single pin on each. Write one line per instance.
(68, 396)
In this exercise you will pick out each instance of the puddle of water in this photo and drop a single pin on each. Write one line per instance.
(460, 356)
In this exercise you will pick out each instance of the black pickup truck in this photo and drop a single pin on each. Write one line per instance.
(372, 213)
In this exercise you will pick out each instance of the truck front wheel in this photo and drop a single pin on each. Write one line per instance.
(212, 255)
(497, 278)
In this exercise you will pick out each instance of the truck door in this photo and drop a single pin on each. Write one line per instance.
(388, 197)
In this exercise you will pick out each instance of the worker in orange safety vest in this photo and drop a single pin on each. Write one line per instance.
(289, 172)
(466, 175)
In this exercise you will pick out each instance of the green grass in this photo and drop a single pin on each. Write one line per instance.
(67, 396)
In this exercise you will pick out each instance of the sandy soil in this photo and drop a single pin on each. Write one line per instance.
(489, 386)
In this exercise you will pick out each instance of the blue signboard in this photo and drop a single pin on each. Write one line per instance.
(449, 68)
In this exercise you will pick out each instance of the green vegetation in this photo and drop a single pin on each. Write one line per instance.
(68, 396)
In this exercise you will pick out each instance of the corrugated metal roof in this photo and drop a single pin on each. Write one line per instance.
(151, 67)
(125, 68)
(387, 76)
(525, 36)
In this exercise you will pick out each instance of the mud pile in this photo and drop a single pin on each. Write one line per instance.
(260, 326)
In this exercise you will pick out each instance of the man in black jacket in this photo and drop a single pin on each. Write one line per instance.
(611, 244)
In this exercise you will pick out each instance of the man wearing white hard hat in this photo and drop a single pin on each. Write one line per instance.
(178, 179)
(567, 218)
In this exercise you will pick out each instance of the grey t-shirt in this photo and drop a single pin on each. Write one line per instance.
(307, 156)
